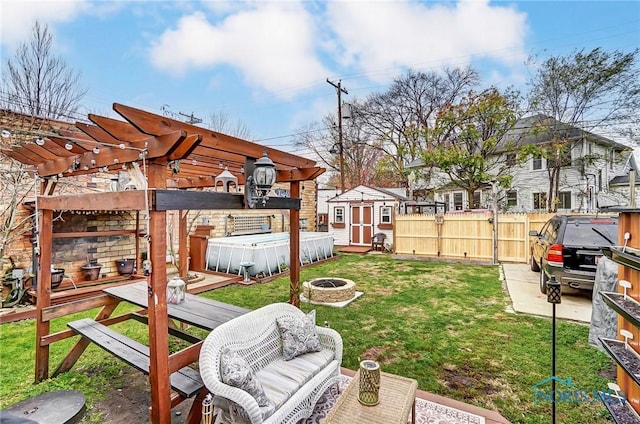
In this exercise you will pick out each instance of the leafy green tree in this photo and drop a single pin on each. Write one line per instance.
(472, 135)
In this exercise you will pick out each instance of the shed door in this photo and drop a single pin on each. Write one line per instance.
(361, 224)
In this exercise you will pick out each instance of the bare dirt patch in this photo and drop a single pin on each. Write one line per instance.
(467, 379)
(379, 354)
(128, 402)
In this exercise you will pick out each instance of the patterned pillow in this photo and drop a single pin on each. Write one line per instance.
(299, 335)
(236, 372)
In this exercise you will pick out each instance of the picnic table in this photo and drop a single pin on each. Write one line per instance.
(198, 311)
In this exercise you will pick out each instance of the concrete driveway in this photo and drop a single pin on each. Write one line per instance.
(522, 284)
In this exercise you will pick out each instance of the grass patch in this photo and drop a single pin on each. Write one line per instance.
(443, 324)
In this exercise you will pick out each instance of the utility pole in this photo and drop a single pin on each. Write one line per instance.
(190, 118)
(340, 90)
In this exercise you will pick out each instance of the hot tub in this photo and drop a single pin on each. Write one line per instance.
(269, 253)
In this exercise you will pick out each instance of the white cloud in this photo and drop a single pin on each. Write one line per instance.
(18, 16)
(378, 36)
(281, 47)
(272, 45)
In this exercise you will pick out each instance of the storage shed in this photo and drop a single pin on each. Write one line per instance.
(357, 214)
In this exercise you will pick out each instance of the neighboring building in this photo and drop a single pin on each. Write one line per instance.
(592, 179)
(324, 194)
(359, 213)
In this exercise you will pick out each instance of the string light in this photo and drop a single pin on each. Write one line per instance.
(40, 141)
(194, 162)
(6, 134)
(68, 146)
(96, 150)
(121, 146)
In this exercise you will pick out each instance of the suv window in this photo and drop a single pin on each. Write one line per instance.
(580, 232)
(550, 231)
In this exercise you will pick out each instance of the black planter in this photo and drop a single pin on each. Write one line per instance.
(57, 275)
(91, 271)
(126, 266)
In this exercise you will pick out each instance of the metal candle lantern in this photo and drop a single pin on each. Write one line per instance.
(176, 289)
(554, 296)
(369, 383)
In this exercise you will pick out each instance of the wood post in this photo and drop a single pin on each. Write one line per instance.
(183, 254)
(294, 249)
(158, 321)
(43, 262)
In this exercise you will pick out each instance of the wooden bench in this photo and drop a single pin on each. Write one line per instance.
(186, 381)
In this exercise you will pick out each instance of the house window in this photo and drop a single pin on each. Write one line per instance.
(457, 201)
(476, 200)
(512, 198)
(599, 180)
(385, 215)
(511, 159)
(565, 157)
(612, 158)
(537, 162)
(338, 215)
(564, 200)
(539, 200)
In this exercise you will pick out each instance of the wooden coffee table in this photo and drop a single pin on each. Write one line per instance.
(397, 398)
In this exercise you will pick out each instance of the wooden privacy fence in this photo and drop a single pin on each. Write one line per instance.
(466, 235)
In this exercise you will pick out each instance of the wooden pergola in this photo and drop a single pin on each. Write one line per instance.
(178, 161)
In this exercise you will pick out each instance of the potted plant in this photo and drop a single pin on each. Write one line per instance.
(126, 266)
(91, 270)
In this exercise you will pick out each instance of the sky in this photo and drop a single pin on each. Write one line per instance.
(265, 64)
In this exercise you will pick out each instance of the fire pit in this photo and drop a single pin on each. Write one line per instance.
(329, 290)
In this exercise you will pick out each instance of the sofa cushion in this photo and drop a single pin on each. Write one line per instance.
(235, 371)
(299, 335)
(281, 379)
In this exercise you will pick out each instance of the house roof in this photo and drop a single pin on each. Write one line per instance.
(623, 179)
(193, 155)
(537, 129)
(370, 193)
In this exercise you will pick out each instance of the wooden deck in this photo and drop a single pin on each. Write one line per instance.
(354, 249)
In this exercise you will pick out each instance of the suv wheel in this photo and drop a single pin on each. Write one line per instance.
(543, 281)
(534, 265)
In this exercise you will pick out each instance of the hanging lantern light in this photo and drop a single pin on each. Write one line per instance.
(260, 182)
(176, 290)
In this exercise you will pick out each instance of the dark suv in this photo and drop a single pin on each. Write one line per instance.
(569, 247)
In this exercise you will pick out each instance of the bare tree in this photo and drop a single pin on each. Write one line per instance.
(15, 186)
(586, 91)
(221, 122)
(37, 83)
(36, 87)
(402, 119)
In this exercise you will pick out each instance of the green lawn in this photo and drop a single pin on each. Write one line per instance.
(443, 324)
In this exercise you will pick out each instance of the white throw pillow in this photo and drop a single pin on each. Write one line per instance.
(299, 335)
(235, 371)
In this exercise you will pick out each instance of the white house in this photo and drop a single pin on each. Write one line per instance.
(592, 178)
(357, 214)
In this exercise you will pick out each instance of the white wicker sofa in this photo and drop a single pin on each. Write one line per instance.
(291, 386)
